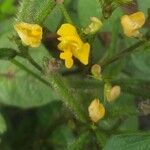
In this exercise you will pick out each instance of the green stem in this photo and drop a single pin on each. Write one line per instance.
(18, 64)
(65, 13)
(44, 11)
(101, 137)
(56, 82)
(34, 63)
(122, 54)
(69, 98)
(23, 10)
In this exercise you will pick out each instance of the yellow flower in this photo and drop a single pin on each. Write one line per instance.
(112, 93)
(72, 45)
(30, 34)
(96, 110)
(132, 23)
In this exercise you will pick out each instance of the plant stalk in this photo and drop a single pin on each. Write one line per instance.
(122, 54)
(21, 66)
(65, 13)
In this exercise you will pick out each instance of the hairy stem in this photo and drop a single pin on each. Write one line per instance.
(44, 11)
(122, 54)
(70, 98)
(23, 67)
(63, 90)
(65, 13)
(34, 63)
(23, 10)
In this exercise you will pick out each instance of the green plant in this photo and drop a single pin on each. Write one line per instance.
(35, 84)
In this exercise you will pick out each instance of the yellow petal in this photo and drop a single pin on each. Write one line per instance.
(66, 55)
(96, 110)
(113, 94)
(30, 34)
(129, 27)
(62, 46)
(67, 30)
(132, 23)
(138, 17)
(70, 42)
(69, 63)
(83, 53)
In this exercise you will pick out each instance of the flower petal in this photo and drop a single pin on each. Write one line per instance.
(30, 34)
(72, 45)
(83, 54)
(67, 30)
(96, 110)
(66, 55)
(69, 63)
(132, 23)
(138, 17)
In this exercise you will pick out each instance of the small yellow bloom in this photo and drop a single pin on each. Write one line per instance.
(71, 45)
(132, 23)
(30, 34)
(96, 110)
(94, 26)
(112, 93)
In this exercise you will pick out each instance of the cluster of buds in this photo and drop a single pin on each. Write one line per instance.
(96, 108)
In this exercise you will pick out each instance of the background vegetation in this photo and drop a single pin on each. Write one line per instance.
(33, 117)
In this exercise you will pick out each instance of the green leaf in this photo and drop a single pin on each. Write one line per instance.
(53, 20)
(3, 127)
(60, 137)
(34, 11)
(7, 54)
(129, 124)
(44, 10)
(123, 106)
(53, 110)
(7, 7)
(142, 63)
(24, 7)
(101, 138)
(135, 141)
(81, 142)
(19, 88)
(143, 5)
(87, 9)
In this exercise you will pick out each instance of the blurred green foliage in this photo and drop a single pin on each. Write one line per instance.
(7, 8)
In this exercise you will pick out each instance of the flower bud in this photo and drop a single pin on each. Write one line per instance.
(96, 71)
(96, 110)
(30, 34)
(112, 93)
(94, 26)
(132, 23)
